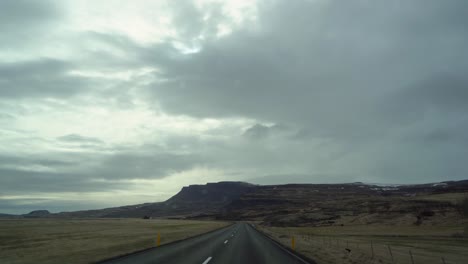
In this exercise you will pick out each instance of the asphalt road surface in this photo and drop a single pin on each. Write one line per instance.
(239, 243)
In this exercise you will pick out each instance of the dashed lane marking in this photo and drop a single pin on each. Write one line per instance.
(207, 260)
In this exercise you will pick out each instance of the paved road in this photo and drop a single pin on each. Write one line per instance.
(237, 244)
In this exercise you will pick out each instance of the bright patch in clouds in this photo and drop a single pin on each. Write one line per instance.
(143, 21)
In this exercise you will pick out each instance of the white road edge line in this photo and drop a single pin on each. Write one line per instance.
(207, 260)
(226, 241)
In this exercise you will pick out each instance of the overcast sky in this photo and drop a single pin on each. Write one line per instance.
(107, 103)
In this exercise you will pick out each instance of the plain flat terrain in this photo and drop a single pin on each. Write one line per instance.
(88, 240)
(236, 244)
(427, 243)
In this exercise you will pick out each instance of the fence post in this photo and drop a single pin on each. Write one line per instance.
(158, 240)
(391, 254)
(372, 248)
(293, 242)
(411, 254)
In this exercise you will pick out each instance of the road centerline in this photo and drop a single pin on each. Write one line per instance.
(207, 260)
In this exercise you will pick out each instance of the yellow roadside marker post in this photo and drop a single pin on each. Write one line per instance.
(293, 243)
(158, 241)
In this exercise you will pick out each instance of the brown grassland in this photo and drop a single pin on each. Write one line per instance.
(443, 239)
(428, 244)
(88, 240)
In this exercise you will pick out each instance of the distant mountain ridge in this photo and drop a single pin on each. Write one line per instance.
(37, 214)
(294, 204)
(8, 216)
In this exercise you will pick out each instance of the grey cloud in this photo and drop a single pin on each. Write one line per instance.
(19, 12)
(47, 172)
(455, 134)
(75, 138)
(442, 91)
(302, 178)
(107, 47)
(31, 161)
(318, 69)
(22, 22)
(355, 75)
(42, 77)
(88, 171)
(62, 172)
(259, 131)
(23, 181)
(144, 165)
(6, 117)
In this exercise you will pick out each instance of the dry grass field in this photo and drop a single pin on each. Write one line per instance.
(88, 240)
(444, 197)
(429, 233)
(428, 244)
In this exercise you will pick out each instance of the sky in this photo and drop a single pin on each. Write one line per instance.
(112, 102)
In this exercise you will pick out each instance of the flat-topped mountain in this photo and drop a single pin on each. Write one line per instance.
(220, 192)
(302, 204)
(191, 201)
(37, 214)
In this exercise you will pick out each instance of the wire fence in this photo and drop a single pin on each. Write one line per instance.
(368, 250)
(383, 253)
